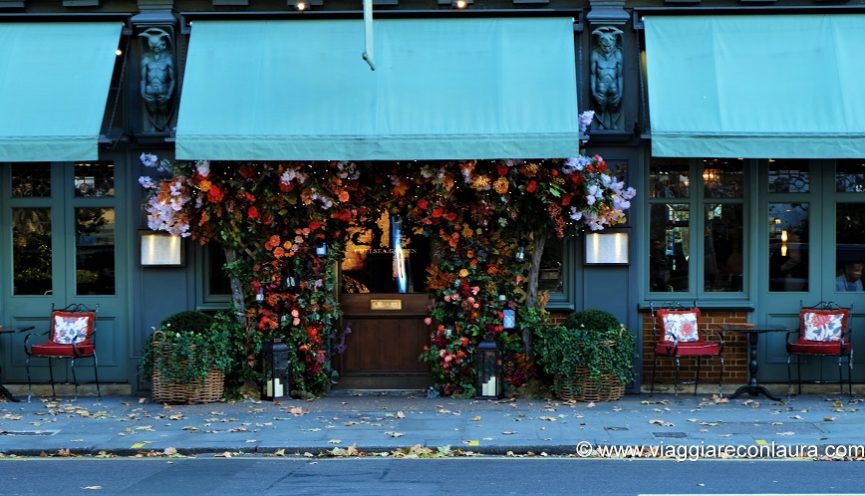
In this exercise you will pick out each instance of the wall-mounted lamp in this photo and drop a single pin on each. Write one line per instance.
(607, 247)
(304, 5)
(160, 249)
(321, 249)
(455, 4)
(520, 255)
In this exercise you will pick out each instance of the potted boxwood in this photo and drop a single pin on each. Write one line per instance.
(590, 356)
(187, 357)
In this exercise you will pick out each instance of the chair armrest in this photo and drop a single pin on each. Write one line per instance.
(792, 336)
(27, 346)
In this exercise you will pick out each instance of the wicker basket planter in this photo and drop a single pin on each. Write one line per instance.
(164, 391)
(208, 391)
(581, 388)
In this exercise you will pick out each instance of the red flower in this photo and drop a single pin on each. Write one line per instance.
(502, 170)
(252, 213)
(422, 204)
(249, 197)
(450, 216)
(214, 194)
(437, 213)
(314, 225)
(532, 186)
(247, 171)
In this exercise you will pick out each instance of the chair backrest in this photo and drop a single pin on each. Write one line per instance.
(72, 325)
(824, 322)
(679, 325)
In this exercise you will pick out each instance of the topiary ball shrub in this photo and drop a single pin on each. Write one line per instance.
(591, 318)
(188, 321)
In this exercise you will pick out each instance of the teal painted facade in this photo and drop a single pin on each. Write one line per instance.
(142, 297)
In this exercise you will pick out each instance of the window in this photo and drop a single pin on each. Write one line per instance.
(696, 226)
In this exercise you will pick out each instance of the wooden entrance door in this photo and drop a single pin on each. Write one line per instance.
(384, 301)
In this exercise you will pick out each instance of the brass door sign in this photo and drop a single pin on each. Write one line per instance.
(385, 304)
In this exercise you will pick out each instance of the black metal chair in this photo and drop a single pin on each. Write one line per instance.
(677, 334)
(70, 336)
(824, 331)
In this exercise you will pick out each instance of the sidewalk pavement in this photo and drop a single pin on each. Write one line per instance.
(374, 423)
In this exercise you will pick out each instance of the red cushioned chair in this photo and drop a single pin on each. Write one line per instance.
(677, 335)
(824, 331)
(70, 336)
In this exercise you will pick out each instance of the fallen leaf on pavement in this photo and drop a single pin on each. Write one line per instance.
(279, 452)
(476, 418)
(92, 488)
(661, 423)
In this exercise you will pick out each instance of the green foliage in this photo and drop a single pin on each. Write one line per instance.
(591, 318)
(593, 339)
(189, 320)
(183, 350)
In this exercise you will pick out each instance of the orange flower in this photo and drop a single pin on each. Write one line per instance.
(205, 185)
(501, 185)
(343, 196)
(278, 252)
(464, 272)
(287, 244)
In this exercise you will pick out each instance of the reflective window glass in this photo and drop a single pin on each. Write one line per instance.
(669, 247)
(385, 258)
(31, 180)
(723, 267)
(789, 176)
(723, 178)
(31, 251)
(788, 246)
(668, 178)
(550, 276)
(849, 246)
(94, 251)
(94, 179)
(850, 176)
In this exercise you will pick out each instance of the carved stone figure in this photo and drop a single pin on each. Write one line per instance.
(606, 77)
(157, 80)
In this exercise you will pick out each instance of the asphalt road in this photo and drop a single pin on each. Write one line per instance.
(420, 477)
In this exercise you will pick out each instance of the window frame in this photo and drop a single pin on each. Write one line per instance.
(697, 202)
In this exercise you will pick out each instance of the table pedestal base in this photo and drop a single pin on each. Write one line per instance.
(753, 391)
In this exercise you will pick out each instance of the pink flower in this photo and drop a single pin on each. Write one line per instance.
(427, 321)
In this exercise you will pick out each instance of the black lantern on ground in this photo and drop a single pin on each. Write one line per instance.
(489, 369)
(275, 360)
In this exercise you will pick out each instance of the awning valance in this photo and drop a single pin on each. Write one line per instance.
(442, 89)
(757, 86)
(54, 82)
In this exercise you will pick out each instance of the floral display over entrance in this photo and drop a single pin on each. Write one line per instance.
(273, 219)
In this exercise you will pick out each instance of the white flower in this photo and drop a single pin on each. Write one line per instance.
(586, 120)
(148, 159)
(203, 168)
(146, 182)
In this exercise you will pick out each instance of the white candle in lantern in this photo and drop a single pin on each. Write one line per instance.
(280, 391)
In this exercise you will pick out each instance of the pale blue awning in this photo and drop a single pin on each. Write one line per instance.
(54, 82)
(442, 89)
(757, 86)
